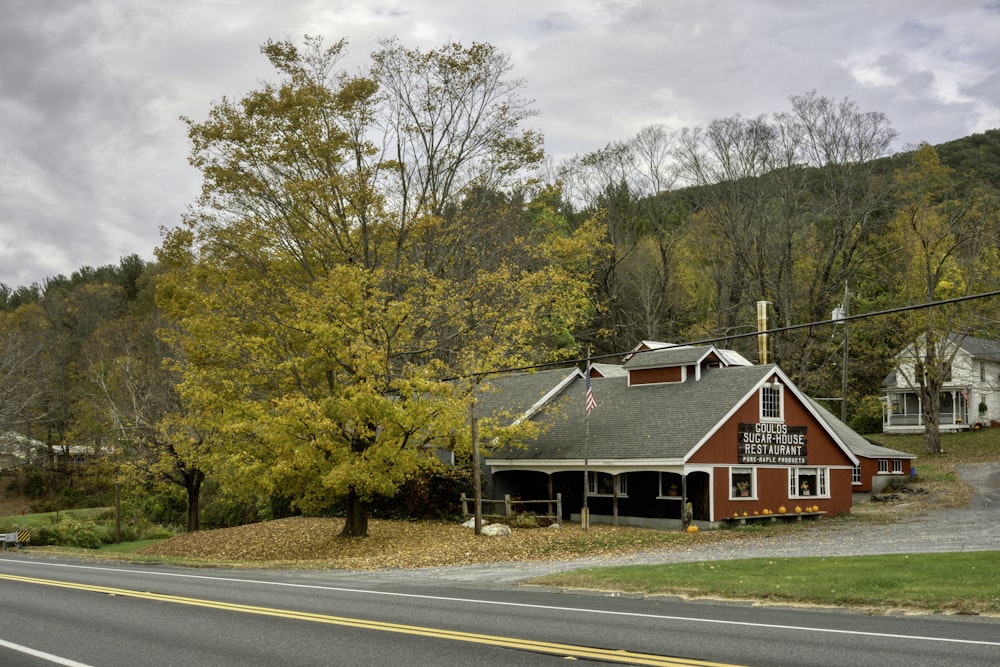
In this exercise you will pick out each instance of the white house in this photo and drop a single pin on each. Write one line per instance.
(970, 395)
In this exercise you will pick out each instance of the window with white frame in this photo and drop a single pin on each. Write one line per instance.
(856, 475)
(897, 466)
(772, 402)
(670, 485)
(606, 484)
(883, 465)
(807, 482)
(741, 483)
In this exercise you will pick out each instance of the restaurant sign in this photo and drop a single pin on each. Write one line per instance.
(778, 444)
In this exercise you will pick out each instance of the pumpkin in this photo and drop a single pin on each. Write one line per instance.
(755, 512)
(736, 515)
(782, 510)
(692, 528)
(798, 510)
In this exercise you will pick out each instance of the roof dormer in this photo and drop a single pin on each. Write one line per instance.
(672, 364)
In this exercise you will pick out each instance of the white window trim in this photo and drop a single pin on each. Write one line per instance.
(662, 494)
(883, 466)
(897, 467)
(620, 482)
(781, 402)
(856, 478)
(822, 482)
(743, 470)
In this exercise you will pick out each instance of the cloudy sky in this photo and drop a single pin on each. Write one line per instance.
(93, 156)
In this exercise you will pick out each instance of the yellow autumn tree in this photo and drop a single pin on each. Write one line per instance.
(341, 269)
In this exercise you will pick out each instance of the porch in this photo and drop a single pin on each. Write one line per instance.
(902, 411)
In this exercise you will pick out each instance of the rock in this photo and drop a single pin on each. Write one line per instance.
(496, 530)
(553, 526)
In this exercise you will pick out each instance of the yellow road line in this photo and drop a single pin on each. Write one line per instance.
(566, 650)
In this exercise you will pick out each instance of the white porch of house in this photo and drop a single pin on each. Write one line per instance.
(902, 411)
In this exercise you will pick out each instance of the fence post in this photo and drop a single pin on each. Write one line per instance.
(559, 510)
(465, 512)
(506, 505)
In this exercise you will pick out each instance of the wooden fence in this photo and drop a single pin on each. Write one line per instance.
(509, 508)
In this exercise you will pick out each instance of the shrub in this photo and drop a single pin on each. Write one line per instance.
(68, 532)
(867, 416)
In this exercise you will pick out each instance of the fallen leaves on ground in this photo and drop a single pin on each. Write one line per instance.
(315, 542)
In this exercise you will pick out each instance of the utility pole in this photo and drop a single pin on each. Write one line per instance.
(477, 493)
(843, 372)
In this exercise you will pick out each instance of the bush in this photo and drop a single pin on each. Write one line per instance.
(867, 416)
(68, 532)
(434, 496)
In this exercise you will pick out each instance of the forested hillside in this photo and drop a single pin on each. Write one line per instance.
(295, 347)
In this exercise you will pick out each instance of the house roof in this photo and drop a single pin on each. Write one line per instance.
(860, 445)
(730, 357)
(658, 421)
(980, 348)
(671, 356)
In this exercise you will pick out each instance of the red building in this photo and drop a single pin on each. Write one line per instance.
(675, 429)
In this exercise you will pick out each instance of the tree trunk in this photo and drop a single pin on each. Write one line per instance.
(932, 419)
(356, 520)
(193, 488)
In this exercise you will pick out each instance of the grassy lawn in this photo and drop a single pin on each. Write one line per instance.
(966, 583)
(9, 524)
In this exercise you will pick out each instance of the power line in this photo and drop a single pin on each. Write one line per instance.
(729, 337)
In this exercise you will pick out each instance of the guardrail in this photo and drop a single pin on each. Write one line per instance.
(18, 539)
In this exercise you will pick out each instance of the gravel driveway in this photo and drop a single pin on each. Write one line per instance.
(976, 528)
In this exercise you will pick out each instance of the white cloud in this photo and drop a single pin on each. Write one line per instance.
(94, 156)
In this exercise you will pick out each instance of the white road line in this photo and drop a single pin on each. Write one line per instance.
(497, 603)
(54, 659)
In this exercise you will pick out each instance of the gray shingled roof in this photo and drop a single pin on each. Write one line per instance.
(671, 356)
(661, 421)
(860, 445)
(980, 348)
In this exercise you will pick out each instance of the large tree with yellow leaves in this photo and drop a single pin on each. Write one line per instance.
(360, 241)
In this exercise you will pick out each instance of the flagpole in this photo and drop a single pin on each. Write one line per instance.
(585, 510)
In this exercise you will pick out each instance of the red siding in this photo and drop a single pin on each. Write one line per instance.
(655, 375)
(772, 480)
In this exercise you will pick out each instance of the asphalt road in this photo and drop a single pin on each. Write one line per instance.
(79, 614)
(106, 614)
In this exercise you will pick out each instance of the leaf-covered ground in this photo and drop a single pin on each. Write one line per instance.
(313, 542)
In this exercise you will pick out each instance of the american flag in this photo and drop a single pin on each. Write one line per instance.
(591, 403)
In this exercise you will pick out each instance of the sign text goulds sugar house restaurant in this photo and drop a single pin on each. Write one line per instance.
(777, 444)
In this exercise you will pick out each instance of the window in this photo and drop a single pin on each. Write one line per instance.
(670, 485)
(856, 475)
(771, 403)
(604, 484)
(982, 371)
(897, 466)
(883, 465)
(741, 483)
(807, 482)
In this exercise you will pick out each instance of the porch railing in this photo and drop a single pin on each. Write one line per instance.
(508, 508)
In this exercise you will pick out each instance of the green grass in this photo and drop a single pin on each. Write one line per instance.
(967, 582)
(966, 447)
(9, 524)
